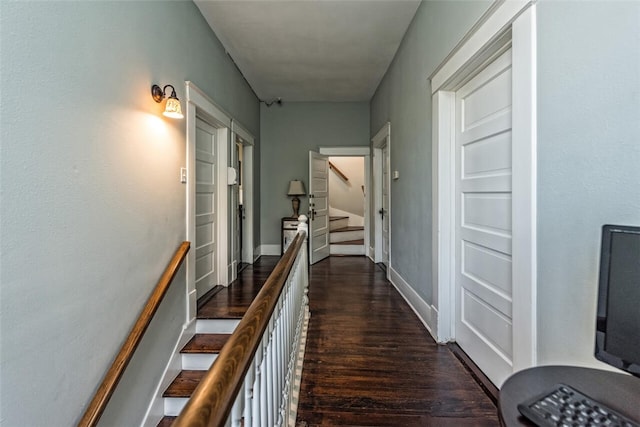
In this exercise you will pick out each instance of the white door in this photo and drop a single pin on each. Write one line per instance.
(318, 207)
(384, 211)
(205, 209)
(236, 214)
(483, 219)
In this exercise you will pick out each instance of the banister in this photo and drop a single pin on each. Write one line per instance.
(211, 402)
(338, 171)
(114, 374)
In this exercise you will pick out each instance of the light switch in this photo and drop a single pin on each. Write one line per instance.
(396, 174)
(183, 175)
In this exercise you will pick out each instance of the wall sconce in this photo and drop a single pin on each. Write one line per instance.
(296, 188)
(173, 108)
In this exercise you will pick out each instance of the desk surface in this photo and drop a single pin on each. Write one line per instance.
(618, 391)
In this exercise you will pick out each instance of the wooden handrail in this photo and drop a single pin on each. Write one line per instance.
(338, 171)
(211, 402)
(114, 374)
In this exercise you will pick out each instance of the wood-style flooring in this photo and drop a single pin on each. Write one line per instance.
(369, 361)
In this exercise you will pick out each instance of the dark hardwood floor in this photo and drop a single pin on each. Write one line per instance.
(369, 361)
(233, 301)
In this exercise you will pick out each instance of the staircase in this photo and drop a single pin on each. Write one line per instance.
(345, 239)
(197, 356)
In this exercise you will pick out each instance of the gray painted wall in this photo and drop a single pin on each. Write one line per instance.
(588, 151)
(588, 160)
(287, 135)
(92, 208)
(403, 98)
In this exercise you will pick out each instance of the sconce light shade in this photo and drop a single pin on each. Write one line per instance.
(296, 188)
(172, 108)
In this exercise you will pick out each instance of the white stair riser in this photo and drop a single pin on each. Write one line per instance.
(345, 236)
(197, 361)
(346, 249)
(173, 405)
(338, 223)
(216, 326)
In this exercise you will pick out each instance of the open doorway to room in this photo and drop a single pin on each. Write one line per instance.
(346, 205)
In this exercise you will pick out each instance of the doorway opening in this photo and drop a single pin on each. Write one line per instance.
(346, 205)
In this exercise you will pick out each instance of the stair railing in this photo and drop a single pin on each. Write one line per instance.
(114, 374)
(252, 381)
(338, 172)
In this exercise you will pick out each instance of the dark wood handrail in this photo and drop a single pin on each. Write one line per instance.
(114, 374)
(211, 402)
(338, 171)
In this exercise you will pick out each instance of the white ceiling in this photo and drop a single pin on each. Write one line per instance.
(311, 50)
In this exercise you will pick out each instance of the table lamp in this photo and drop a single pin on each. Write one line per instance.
(296, 188)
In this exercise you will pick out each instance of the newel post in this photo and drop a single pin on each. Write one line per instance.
(303, 226)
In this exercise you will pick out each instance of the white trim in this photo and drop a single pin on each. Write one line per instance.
(493, 24)
(345, 151)
(248, 142)
(199, 105)
(243, 132)
(506, 21)
(256, 253)
(380, 140)
(248, 189)
(524, 246)
(196, 96)
(357, 152)
(270, 250)
(376, 242)
(443, 202)
(155, 411)
(420, 307)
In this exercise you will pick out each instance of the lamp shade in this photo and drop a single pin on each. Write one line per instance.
(296, 188)
(173, 108)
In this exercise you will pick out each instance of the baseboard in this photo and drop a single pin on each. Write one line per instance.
(483, 381)
(269, 249)
(372, 253)
(423, 310)
(256, 253)
(155, 412)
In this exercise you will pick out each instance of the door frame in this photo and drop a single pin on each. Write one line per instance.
(381, 140)
(199, 105)
(364, 152)
(248, 141)
(511, 22)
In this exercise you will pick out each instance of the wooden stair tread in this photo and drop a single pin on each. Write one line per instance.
(206, 343)
(166, 421)
(349, 228)
(184, 384)
(233, 313)
(350, 242)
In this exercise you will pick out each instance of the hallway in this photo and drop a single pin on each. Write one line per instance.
(370, 361)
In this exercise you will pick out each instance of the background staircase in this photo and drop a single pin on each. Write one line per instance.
(345, 239)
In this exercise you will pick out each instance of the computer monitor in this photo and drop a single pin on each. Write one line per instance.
(618, 322)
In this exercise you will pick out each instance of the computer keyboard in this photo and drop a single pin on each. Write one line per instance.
(566, 406)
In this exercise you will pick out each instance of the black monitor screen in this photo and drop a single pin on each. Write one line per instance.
(618, 326)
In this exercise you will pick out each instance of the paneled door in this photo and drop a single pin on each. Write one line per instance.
(483, 219)
(385, 206)
(318, 207)
(206, 210)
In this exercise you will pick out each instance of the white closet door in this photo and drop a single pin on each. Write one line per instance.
(206, 220)
(483, 219)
